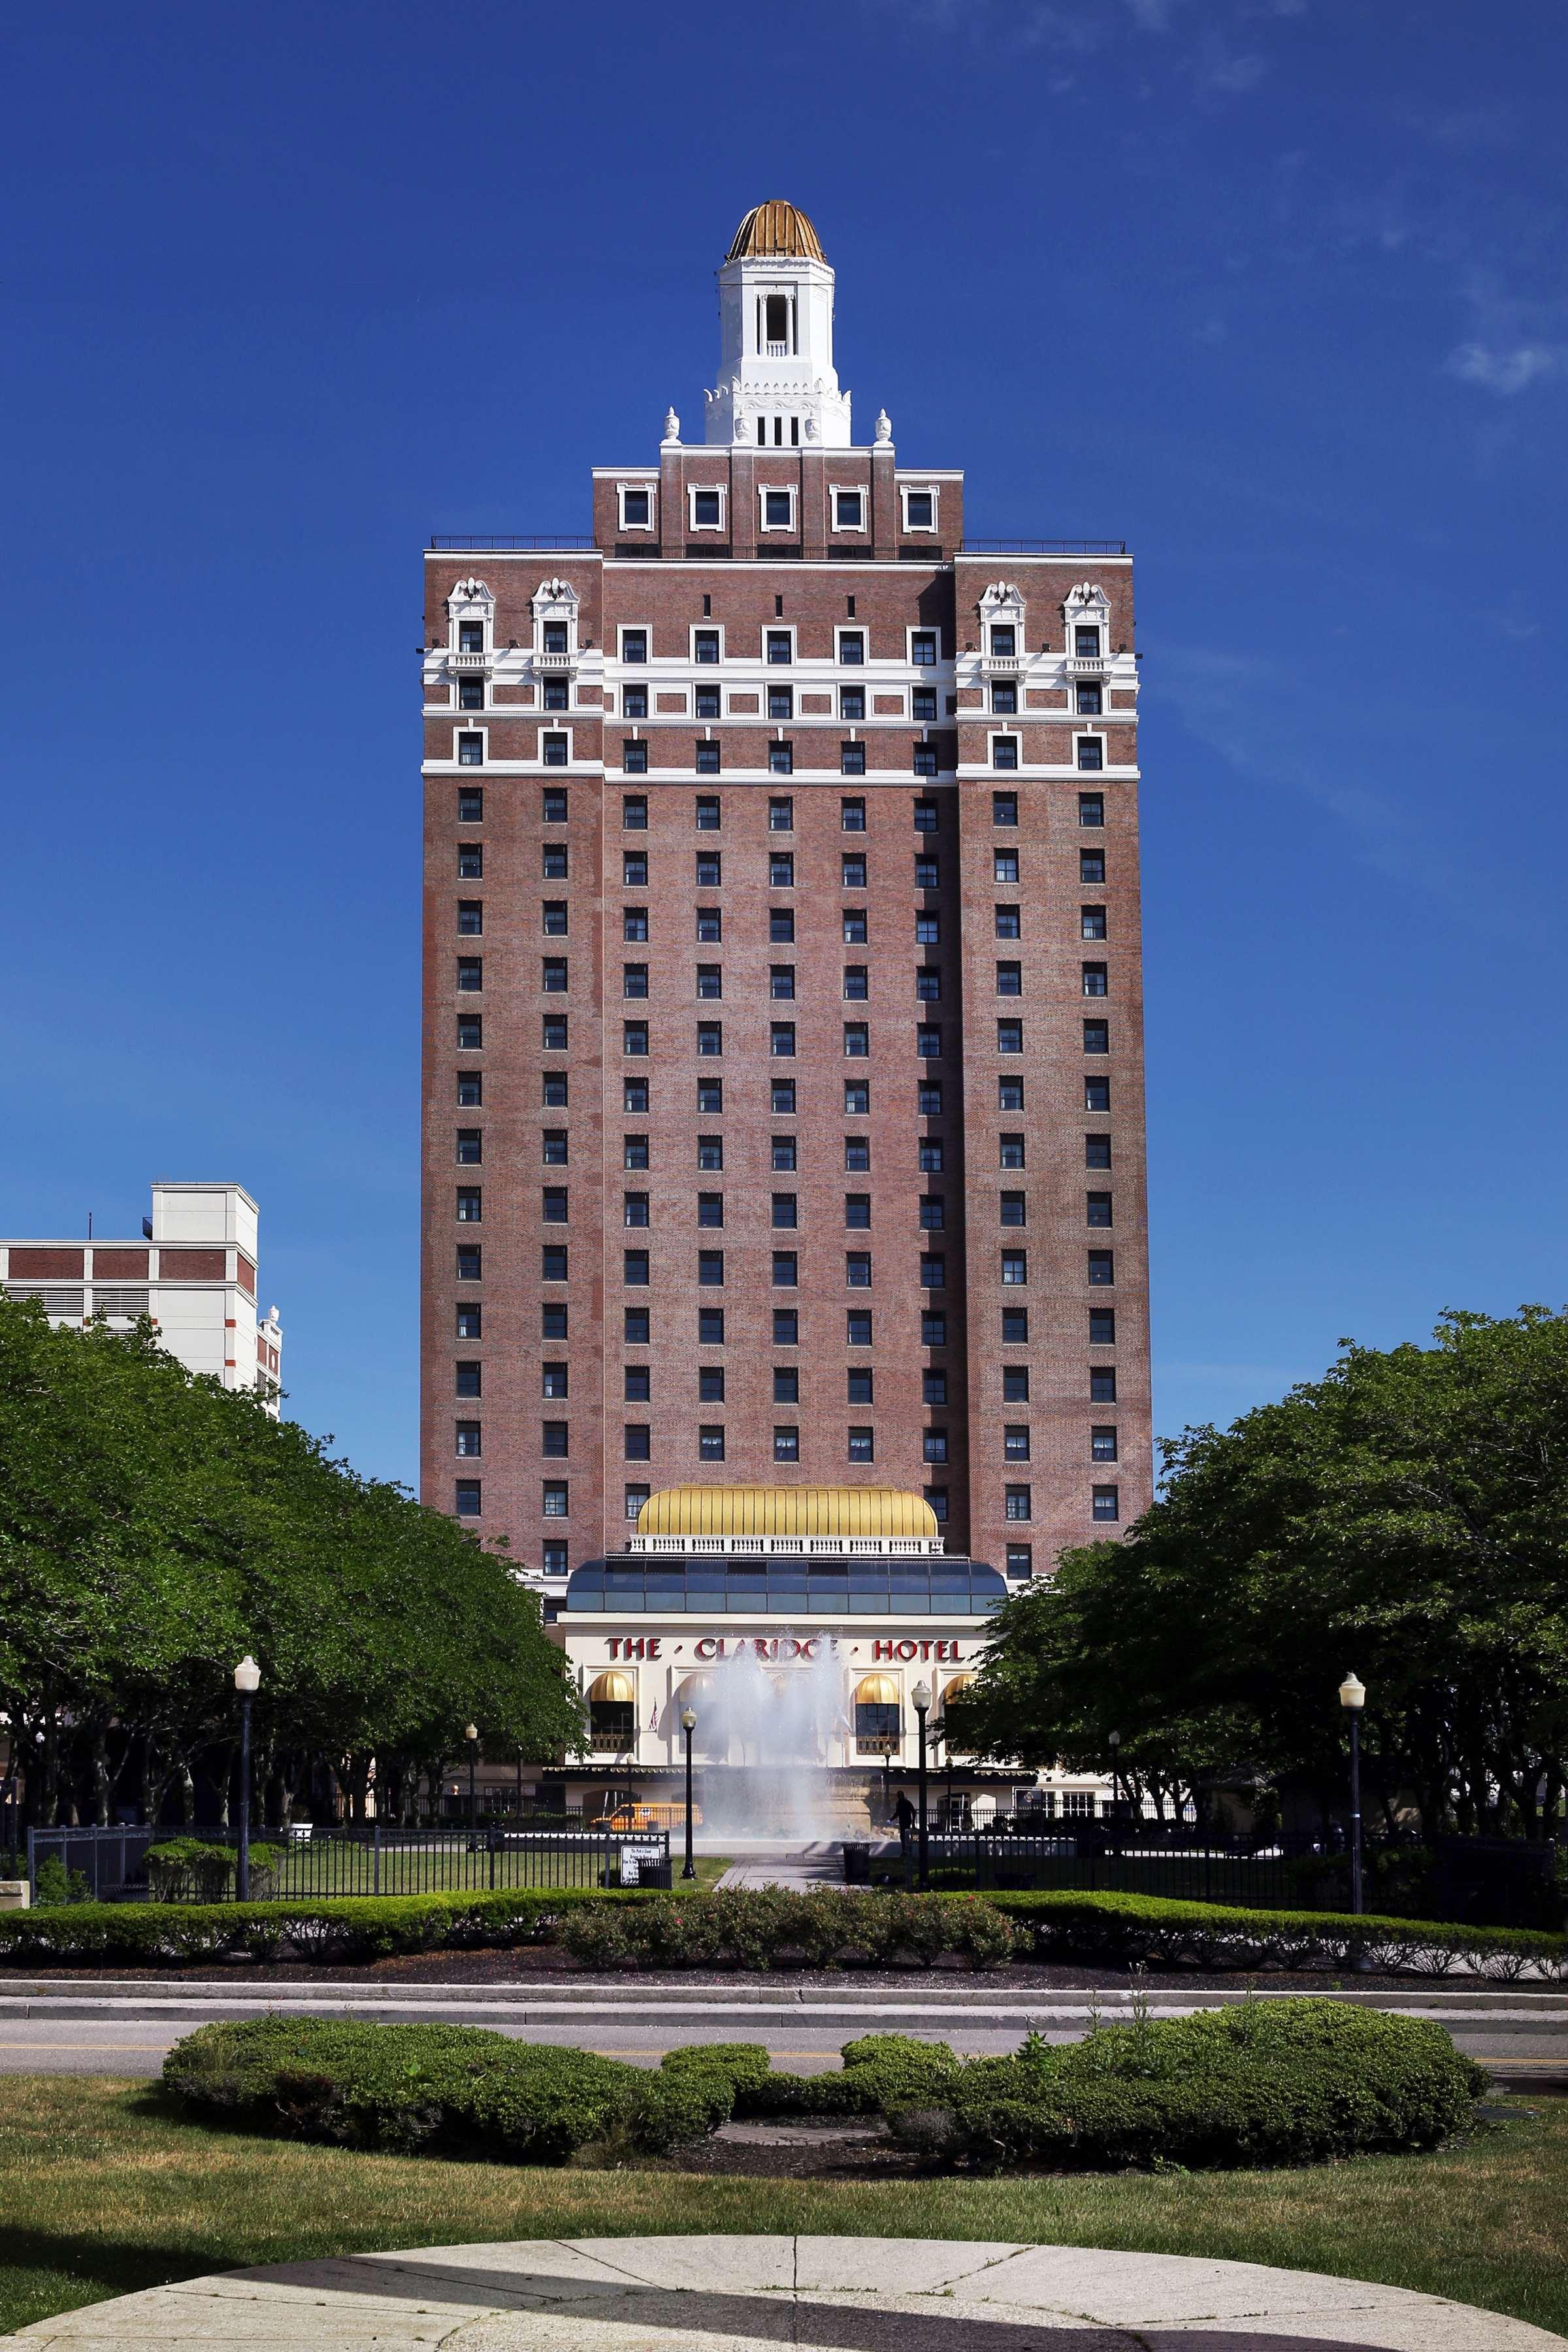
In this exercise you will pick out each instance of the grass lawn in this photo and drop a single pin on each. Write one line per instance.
(102, 2192)
(330, 1869)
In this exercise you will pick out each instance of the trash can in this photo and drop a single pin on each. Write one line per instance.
(857, 1866)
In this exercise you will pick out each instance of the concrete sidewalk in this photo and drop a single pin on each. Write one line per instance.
(748, 2294)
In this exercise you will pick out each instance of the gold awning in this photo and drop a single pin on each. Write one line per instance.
(876, 1690)
(612, 1690)
(786, 1511)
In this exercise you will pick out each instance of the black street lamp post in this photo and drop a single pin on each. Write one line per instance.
(921, 1697)
(1352, 1698)
(688, 1725)
(1113, 1740)
(247, 1676)
(472, 1734)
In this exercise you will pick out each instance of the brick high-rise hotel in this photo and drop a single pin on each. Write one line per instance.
(784, 1110)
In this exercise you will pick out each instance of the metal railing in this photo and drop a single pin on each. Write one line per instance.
(1068, 1864)
(499, 543)
(316, 1862)
(1042, 547)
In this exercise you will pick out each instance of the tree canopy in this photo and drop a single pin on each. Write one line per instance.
(1405, 1516)
(154, 1528)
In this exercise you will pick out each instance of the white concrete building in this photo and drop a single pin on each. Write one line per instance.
(193, 1270)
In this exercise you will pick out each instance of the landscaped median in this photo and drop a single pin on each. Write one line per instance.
(1287, 2083)
(774, 1929)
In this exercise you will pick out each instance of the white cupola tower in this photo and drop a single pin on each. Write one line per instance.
(778, 387)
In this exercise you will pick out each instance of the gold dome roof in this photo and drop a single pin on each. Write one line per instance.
(786, 1511)
(775, 227)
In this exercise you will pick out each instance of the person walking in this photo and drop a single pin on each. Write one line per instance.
(904, 1814)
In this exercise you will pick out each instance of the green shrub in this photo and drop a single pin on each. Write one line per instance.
(764, 1927)
(52, 1883)
(1292, 2082)
(189, 1870)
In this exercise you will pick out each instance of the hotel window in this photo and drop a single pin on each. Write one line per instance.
(929, 1155)
(556, 749)
(709, 1096)
(1097, 1093)
(1009, 980)
(710, 1151)
(633, 1208)
(555, 864)
(553, 1205)
(1005, 750)
(785, 1217)
(1015, 1385)
(928, 983)
(470, 1033)
(933, 1272)
(787, 1327)
(852, 870)
(636, 514)
(781, 1039)
(1091, 700)
(786, 1446)
(1091, 865)
(857, 1152)
(925, 814)
(705, 645)
(933, 1445)
(554, 1379)
(708, 818)
(1097, 1037)
(633, 1095)
(852, 702)
(633, 978)
(553, 1318)
(1092, 808)
(471, 1146)
(859, 1384)
(707, 514)
(854, 931)
(1101, 1267)
(639, 1442)
(711, 1383)
(634, 702)
(1102, 1326)
(862, 1445)
(782, 1097)
(1014, 1268)
(634, 1036)
(706, 760)
(555, 1500)
(928, 930)
(470, 861)
(937, 1498)
(1014, 1327)
(634, 644)
(634, 923)
(470, 1322)
(466, 1494)
(552, 1029)
(470, 1205)
(1095, 980)
(1005, 808)
(928, 874)
(1009, 926)
(857, 1097)
(636, 1384)
(711, 1327)
(1004, 865)
(933, 1388)
(857, 1269)
(787, 1384)
(1015, 1442)
(1014, 1210)
(552, 1439)
(1097, 1150)
(849, 510)
(780, 646)
(933, 1212)
(470, 751)
(858, 1209)
(470, 973)
(781, 982)
(858, 1327)
(1019, 1504)
(554, 920)
(778, 510)
(929, 1098)
(469, 1440)
(710, 1269)
(852, 647)
(782, 1151)
(781, 702)
(1097, 1208)
(786, 1270)
(856, 1040)
(920, 510)
(1102, 1383)
(710, 925)
(710, 981)
(633, 1269)
(1009, 1036)
(711, 1442)
(1086, 641)
(928, 1040)
(1102, 1443)
(1010, 1151)
(1020, 1559)
(923, 706)
(710, 1037)
(856, 983)
(1004, 700)
(635, 1497)
(633, 813)
(781, 876)
(705, 703)
(471, 804)
(923, 761)
(933, 1328)
(553, 805)
(781, 815)
(923, 648)
(634, 869)
(633, 755)
(466, 1380)
(1107, 1503)
(1092, 922)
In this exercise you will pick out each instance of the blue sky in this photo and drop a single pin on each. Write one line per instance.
(1275, 288)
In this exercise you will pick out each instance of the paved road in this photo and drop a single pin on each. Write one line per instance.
(70, 2045)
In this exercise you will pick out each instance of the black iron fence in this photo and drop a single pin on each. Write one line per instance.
(1019, 1862)
(112, 1865)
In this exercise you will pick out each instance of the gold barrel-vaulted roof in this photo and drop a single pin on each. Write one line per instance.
(775, 227)
(786, 1511)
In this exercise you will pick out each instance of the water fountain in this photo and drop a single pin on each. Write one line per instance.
(767, 1728)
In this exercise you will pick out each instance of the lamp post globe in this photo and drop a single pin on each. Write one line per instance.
(1352, 1698)
(687, 1725)
(247, 1681)
(920, 1698)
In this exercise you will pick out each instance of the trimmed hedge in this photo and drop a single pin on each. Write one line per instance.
(191, 1870)
(772, 1928)
(1282, 2083)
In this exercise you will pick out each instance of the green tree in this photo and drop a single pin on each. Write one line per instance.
(154, 1527)
(1407, 1515)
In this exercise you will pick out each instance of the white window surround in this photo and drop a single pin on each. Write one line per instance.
(484, 735)
(643, 629)
(708, 628)
(837, 490)
(555, 600)
(1092, 735)
(1088, 605)
(931, 491)
(852, 629)
(1008, 735)
(470, 600)
(555, 731)
(766, 490)
(721, 491)
(778, 629)
(910, 634)
(648, 489)
(1002, 605)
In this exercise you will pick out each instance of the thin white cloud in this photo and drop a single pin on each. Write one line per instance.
(1504, 373)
